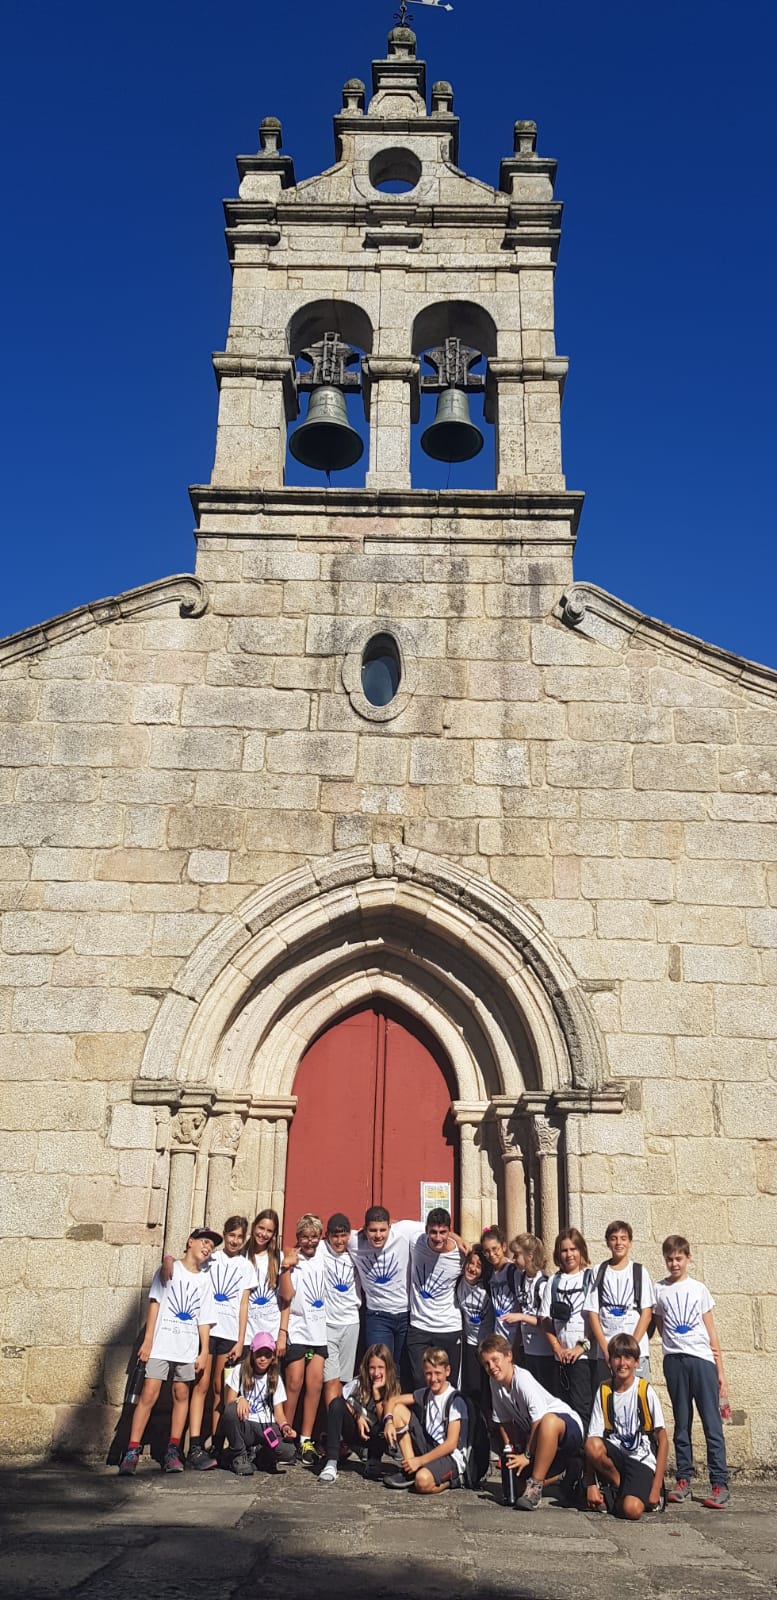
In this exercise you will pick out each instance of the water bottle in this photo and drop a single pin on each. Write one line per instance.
(726, 1414)
(135, 1384)
(509, 1495)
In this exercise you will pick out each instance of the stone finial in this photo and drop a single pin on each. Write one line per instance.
(525, 138)
(402, 43)
(270, 135)
(353, 96)
(442, 99)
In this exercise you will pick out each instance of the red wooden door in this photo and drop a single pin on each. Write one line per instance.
(372, 1120)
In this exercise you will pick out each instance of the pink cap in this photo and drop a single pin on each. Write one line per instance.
(263, 1341)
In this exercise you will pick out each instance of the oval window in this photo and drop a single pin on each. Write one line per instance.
(381, 669)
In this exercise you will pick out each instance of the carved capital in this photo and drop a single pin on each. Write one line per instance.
(226, 1135)
(186, 1130)
(545, 1136)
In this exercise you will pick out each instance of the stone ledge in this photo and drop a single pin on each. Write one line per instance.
(190, 592)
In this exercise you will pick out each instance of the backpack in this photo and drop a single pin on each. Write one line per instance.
(645, 1416)
(636, 1274)
(478, 1451)
(561, 1310)
(538, 1288)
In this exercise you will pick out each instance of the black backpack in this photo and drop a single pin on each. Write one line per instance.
(636, 1276)
(478, 1441)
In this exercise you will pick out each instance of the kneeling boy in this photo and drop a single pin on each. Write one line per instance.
(543, 1436)
(627, 1444)
(430, 1428)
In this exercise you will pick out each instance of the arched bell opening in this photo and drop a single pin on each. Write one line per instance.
(453, 444)
(328, 340)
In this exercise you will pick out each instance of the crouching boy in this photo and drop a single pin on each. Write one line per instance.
(542, 1436)
(627, 1444)
(430, 1428)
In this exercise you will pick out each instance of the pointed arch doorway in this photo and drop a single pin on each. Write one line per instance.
(373, 1119)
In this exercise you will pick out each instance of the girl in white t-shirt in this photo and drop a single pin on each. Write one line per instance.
(302, 1333)
(564, 1322)
(263, 1252)
(356, 1416)
(254, 1418)
(536, 1356)
(477, 1316)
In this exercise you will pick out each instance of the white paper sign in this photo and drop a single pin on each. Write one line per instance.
(432, 1195)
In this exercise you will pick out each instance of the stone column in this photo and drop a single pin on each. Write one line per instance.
(392, 398)
(257, 401)
(515, 1191)
(546, 1139)
(505, 403)
(468, 1120)
(186, 1130)
(265, 1165)
(279, 1166)
(224, 1142)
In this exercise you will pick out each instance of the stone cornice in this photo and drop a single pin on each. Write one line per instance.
(591, 611)
(183, 587)
(446, 505)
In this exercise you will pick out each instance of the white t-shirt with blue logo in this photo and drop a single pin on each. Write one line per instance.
(477, 1312)
(617, 1312)
(433, 1409)
(342, 1295)
(229, 1277)
(384, 1273)
(680, 1311)
(264, 1311)
(261, 1406)
(626, 1432)
(307, 1317)
(433, 1278)
(185, 1303)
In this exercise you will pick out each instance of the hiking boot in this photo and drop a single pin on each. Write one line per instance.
(718, 1497)
(172, 1461)
(680, 1492)
(531, 1498)
(199, 1460)
(399, 1480)
(328, 1473)
(129, 1462)
(243, 1466)
(308, 1453)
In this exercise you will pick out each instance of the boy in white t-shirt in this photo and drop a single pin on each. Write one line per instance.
(430, 1428)
(175, 1343)
(435, 1316)
(693, 1371)
(381, 1254)
(542, 1436)
(342, 1300)
(620, 1300)
(627, 1444)
(302, 1333)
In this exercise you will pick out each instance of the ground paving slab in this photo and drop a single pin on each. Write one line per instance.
(87, 1534)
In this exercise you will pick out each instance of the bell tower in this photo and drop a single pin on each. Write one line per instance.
(391, 275)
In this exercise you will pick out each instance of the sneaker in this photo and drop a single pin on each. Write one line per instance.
(242, 1465)
(718, 1497)
(372, 1471)
(129, 1462)
(399, 1480)
(328, 1473)
(199, 1460)
(172, 1461)
(308, 1453)
(680, 1492)
(531, 1497)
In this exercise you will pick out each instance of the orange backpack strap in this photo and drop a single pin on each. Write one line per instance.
(645, 1415)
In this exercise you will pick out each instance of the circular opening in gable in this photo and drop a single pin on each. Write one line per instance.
(394, 171)
(381, 669)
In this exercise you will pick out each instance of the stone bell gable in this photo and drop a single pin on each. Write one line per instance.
(549, 847)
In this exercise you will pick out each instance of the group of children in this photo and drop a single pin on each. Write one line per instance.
(556, 1363)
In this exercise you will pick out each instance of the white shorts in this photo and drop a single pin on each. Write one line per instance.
(341, 1361)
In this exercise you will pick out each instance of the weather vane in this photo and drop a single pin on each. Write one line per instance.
(403, 16)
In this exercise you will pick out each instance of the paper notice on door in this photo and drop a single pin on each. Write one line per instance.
(432, 1195)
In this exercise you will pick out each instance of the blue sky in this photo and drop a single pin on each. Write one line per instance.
(119, 130)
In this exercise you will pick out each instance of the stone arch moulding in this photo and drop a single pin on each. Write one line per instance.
(455, 951)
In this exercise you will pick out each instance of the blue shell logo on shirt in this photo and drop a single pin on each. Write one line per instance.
(185, 1302)
(225, 1280)
(431, 1285)
(683, 1317)
(261, 1297)
(343, 1277)
(314, 1292)
(501, 1297)
(614, 1308)
(383, 1268)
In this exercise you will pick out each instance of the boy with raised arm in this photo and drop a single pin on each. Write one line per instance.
(381, 1254)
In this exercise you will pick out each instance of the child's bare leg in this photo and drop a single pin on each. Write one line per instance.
(198, 1398)
(218, 1385)
(425, 1484)
(632, 1508)
(293, 1378)
(401, 1417)
(332, 1391)
(314, 1379)
(181, 1392)
(546, 1437)
(148, 1399)
(598, 1464)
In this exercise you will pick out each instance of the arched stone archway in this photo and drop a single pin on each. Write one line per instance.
(458, 953)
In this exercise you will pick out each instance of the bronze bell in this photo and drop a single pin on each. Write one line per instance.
(326, 441)
(452, 436)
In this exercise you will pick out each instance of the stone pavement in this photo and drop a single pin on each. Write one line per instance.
(69, 1531)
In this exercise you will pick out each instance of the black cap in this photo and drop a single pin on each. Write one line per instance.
(206, 1233)
(338, 1223)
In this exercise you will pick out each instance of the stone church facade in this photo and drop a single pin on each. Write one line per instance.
(552, 850)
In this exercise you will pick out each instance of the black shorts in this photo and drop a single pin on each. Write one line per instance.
(636, 1476)
(220, 1347)
(303, 1352)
